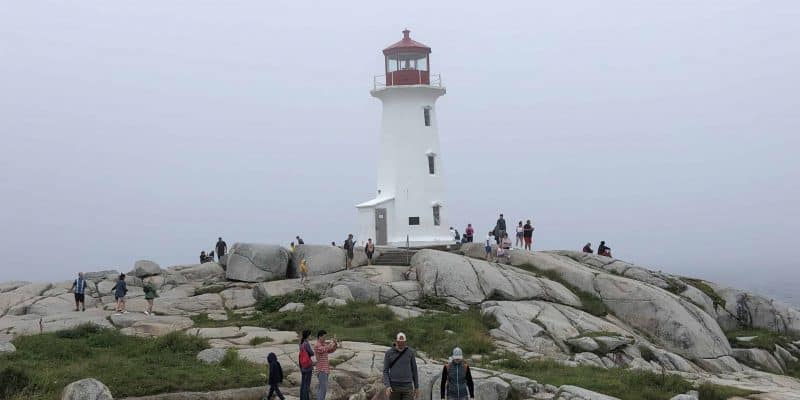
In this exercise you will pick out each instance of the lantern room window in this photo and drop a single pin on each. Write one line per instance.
(406, 61)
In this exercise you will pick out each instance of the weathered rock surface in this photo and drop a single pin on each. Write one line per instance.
(249, 262)
(568, 392)
(255, 393)
(320, 259)
(144, 268)
(86, 389)
(7, 348)
(751, 310)
(200, 272)
(212, 356)
(236, 298)
(154, 326)
(758, 358)
(292, 307)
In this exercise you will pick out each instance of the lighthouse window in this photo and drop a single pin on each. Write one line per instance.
(431, 164)
(426, 113)
(413, 220)
(436, 215)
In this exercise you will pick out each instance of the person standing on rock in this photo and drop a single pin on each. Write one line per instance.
(469, 233)
(457, 379)
(348, 248)
(299, 240)
(303, 272)
(79, 289)
(120, 289)
(149, 295)
(322, 348)
(488, 246)
(527, 234)
(370, 250)
(500, 228)
(400, 376)
(306, 366)
(275, 376)
(588, 248)
(222, 248)
(520, 233)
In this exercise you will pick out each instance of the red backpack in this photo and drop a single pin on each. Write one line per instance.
(305, 359)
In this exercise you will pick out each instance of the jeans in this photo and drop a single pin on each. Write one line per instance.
(274, 389)
(305, 385)
(322, 390)
(402, 393)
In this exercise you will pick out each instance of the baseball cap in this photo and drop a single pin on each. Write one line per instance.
(458, 354)
(401, 337)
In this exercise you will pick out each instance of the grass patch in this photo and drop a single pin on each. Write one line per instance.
(209, 289)
(708, 391)
(703, 287)
(764, 339)
(436, 303)
(258, 340)
(591, 303)
(129, 366)
(676, 286)
(274, 303)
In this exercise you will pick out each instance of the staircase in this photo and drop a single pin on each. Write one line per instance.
(398, 257)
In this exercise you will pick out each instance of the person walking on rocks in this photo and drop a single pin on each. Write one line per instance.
(79, 289)
(150, 295)
(275, 376)
(469, 233)
(322, 348)
(520, 232)
(457, 379)
(370, 250)
(222, 248)
(527, 234)
(306, 366)
(120, 289)
(400, 376)
(348, 248)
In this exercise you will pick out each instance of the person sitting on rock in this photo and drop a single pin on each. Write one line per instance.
(203, 257)
(588, 248)
(603, 250)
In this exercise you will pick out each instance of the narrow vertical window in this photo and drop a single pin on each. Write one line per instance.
(427, 114)
(431, 164)
(436, 215)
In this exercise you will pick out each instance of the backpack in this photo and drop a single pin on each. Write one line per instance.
(305, 359)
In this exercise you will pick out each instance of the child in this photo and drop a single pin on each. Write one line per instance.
(303, 272)
(275, 376)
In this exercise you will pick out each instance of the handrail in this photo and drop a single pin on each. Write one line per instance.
(379, 81)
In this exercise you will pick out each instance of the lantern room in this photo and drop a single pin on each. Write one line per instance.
(407, 62)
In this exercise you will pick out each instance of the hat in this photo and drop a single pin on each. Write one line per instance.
(401, 337)
(458, 354)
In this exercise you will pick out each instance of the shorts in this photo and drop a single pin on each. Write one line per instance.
(369, 255)
(118, 298)
(79, 297)
(519, 234)
(528, 240)
(488, 249)
(349, 255)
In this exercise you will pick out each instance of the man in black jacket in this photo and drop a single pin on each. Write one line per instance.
(400, 371)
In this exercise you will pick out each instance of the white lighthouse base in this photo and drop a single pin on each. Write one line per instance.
(377, 221)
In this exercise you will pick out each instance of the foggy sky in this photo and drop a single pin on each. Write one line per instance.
(146, 129)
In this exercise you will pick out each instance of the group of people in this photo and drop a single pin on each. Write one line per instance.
(400, 376)
(120, 290)
(221, 248)
(602, 250)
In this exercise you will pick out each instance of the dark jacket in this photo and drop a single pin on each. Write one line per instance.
(403, 372)
(457, 381)
(275, 370)
(120, 289)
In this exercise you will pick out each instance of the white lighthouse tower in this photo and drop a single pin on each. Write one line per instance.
(409, 203)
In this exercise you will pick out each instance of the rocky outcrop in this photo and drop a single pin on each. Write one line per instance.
(7, 348)
(248, 262)
(755, 311)
(320, 259)
(200, 272)
(568, 392)
(144, 268)
(255, 393)
(758, 358)
(86, 389)
(212, 356)
(464, 281)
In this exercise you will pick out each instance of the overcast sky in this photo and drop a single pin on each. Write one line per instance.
(145, 129)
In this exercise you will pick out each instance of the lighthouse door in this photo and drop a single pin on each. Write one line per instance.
(380, 226)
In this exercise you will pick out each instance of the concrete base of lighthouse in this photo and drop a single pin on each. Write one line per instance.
(375, 221)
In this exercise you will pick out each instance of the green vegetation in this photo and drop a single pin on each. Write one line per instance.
(258, 340)
(129, 366)
(703, 287)
(764, 339)
(274, 303)
(676, 286)
(647, 354)
(708, 391)
(436, 303)
(591, 303)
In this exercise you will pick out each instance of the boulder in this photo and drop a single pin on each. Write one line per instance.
(758, 358)
(583, 343)
(236, 298)
(320, 259)
(493, 388)
(250, 262)
(341, 292)
(212, 356)
(144, 268)
(199, 273)
(86, 389)
(7, 348)
(21, 294)
(752, 310)
(568, 392)
(292, 307)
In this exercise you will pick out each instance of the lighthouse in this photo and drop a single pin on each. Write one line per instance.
(409, 204)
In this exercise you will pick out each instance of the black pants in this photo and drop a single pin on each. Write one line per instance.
(274, 389)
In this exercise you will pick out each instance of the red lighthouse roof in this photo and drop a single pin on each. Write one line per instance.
(407, 45)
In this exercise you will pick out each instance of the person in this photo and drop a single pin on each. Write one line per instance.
(370, 250)
(348, 248)
(603, 250)
(299, 240)
(221, 247)
(464, 239)
(506, 242)
(149, 295)
(469, 232)
(527, 234)
(454, 234)
(333, 244)
(456, 381)
(120, 289)
(275, 376)
(488, 245)
(79, 290)
(588, 248)
(500, 227)
(291, 247)
(203, 257)
(322, 348)
(400, 371)
(306, 366)
(303, 272)
(520, 232)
